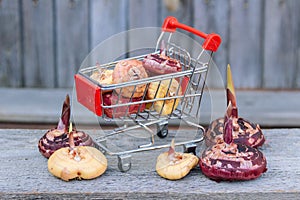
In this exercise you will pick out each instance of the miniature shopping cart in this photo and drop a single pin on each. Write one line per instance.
(191, 79)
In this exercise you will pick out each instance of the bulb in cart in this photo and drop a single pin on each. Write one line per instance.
(160, 80)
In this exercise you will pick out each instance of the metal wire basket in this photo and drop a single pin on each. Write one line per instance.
(185, 101)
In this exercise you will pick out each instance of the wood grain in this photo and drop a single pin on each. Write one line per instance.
(245, 43)
(183, 13)
(280, 44)
(72, 39)
(38, 30)
(43, 43)
(108, 21)
(138, 9)
(24, 174)
(144, 32)
(108, 17)
(213, 16)
(11, 71)
(298, 68)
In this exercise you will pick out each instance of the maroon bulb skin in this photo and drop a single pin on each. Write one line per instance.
(232, 162)
(244, 132)
(157, 64)
(121, 111)
(51, 142)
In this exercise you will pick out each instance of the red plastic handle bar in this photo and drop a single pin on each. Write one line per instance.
(212, 40)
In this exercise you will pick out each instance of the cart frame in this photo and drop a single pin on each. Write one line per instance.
(191, 81)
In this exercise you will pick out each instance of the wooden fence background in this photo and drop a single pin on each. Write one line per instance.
(43, 42)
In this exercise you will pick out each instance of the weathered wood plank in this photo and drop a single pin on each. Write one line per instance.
(182, 10)
(246, 42)
(280, 44)
(298, 68)
(72, 39)
(32, 179)
(108, 19)
(10, 44)
(255, 40)
(141, 8)
(44, 106)
(39, 60)
(183, 13)
(297, 51)
(213, 16)
(143, 37)
(297, 39)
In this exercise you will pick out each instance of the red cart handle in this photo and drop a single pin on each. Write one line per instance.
(212, 40)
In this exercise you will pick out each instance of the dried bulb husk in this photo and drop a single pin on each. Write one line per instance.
(82, 162)
(173, 165)
(244, 132)
(58, 137)
(55, 139)
(232, 162)
(229, 161)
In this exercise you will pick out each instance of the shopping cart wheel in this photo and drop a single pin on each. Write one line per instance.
(162, 129)
(190, 148)
(124, 162)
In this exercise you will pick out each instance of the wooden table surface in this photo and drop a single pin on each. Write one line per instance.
(24, 173)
